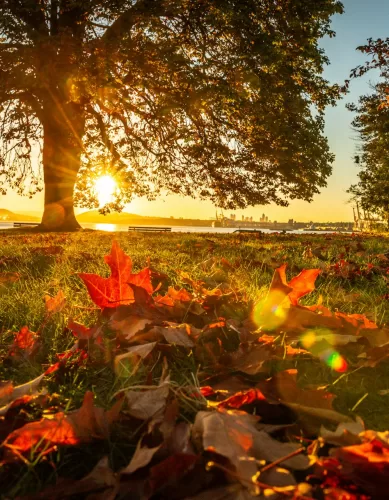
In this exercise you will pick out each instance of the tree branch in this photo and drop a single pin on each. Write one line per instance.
(104, 134)
(34, 18)
(27, 98)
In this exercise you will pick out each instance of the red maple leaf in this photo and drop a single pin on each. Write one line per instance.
(24, 342)
(81, 426)
(300, 285)
(116, 290)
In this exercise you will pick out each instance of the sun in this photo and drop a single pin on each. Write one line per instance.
(105, 188)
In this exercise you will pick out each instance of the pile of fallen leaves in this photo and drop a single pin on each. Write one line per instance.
(235, 429)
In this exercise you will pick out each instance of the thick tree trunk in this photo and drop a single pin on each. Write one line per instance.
(63, 129)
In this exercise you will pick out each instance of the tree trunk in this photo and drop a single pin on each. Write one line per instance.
(62, 146)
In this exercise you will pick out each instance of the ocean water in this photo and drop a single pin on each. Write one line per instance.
(175, 229)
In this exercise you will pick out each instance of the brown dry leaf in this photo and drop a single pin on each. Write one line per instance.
(230, 434)
(9, 395)
(141, 458)
(101, 480)
(170, 471)
(373, 356)
(346, 434)
(311, 418)
(150, 403)
(283, 387)
(313, 407)
(250, 360)
(129, 362)
(130, 326)
(55, 304)
(176, 334)
(269, 449)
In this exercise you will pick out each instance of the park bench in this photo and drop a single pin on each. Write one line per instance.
(247, 231)
(20, 224)
(150, 229)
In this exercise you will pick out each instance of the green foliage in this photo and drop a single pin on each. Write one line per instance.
(218, 99)
(372, 124)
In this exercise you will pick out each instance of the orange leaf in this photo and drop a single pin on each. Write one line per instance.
(24, 341)
(55, 304)
(299, 285)
(303, 284)
(81, 426)
(242, 398)
(116, 290)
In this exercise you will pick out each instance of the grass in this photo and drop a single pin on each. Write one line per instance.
(47, 263)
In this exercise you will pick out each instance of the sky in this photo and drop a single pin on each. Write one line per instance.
(362, 19)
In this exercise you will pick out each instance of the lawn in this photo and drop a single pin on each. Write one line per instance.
(165, 376)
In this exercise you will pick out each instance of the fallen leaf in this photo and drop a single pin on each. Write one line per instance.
(150, 403)
(9, 395)
(171, 470)
(24, 342)
(142, 457)
(346, 434)
(230, 434)
(177, 334)
(55, 304)
(101, 480)
(116, 290)
(130, 326)
(80, 426)
(269, 449)
(367, 465)
(127, 363)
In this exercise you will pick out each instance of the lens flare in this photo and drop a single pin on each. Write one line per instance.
(271, 312)
(313, 342)
(337, 362)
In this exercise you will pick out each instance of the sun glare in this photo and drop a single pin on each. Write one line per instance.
(105, 187)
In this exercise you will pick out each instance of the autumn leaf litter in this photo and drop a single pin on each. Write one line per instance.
(236, 427)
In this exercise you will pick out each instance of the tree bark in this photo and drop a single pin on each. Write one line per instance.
(63, 128)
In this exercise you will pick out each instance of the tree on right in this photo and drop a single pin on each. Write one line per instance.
(372, 125)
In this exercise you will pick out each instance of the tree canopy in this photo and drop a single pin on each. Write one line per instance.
(218, 99)
(372, 124)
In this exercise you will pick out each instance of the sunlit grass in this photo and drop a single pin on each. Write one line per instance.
(252, 263)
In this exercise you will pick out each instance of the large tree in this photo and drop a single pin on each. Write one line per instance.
(220, 99)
